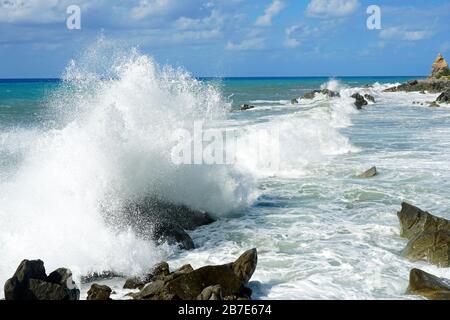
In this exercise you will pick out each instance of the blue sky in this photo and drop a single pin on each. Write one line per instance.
(231, 37)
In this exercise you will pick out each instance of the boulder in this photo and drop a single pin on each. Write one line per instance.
(427, 285)
(360, 101)
(134, 283)
(211, 293)
(187, 284)
(153, 219)
(433, 247)
(30, 282)
(99, 292)
(414, 221)
(369, 97)
(444, 97)
(372, 172)
(246, 107)
(439, 67)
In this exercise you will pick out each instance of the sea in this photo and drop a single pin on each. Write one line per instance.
(75, 149)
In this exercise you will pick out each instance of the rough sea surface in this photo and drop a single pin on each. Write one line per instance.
(97, 138)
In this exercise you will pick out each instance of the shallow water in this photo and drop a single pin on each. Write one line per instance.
(321, 233)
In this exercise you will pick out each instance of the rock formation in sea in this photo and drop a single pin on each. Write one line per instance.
(30, 282)
(429, 236)
(372, 172)
(427, 285)
(228, 281)
(437, 82)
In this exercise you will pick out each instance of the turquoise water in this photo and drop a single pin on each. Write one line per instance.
(321, 233)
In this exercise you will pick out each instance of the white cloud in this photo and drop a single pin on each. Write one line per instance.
(397, 33)
(296, 34)
(247, 44)
(331, 8)
(271, 11)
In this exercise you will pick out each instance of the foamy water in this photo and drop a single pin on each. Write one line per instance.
(321, 233)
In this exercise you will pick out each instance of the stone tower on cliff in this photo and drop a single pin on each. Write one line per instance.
(439, 67)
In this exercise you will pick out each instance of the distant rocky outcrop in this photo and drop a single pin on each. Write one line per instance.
(429, 236)
(427, 285)
(217, 282)
(30, 282)
(439, 68)
(438, 81)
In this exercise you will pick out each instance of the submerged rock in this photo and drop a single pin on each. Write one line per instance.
(99, 292)
(372, 172)
(444, 97)
(360, 101)
(414, 221)
(245, 107)
(427, 285)
(30, 282)
(204, 283)
(434, 104)
(294, 101)
(433, 247)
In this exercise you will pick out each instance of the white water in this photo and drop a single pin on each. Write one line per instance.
(320, 232)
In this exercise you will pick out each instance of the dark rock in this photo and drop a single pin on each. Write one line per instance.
(414, 221)
(427, 285)
(99, 292)
(30, 282)
(187, 284)
(246, 107)
(369, 97)
(211, 293)
(433, 247)
(444, 97)
(294, 101)
(360, 101)
(153, 219)
(372, 172)
(134, 283)
(326, 92)
(171, 233)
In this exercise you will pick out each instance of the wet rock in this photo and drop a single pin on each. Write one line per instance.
(360, 101)
(187, 284)
(427, 285)
(294, 101)
(99, 292)
(326, 92)
(369, 97)
(372, 172)
(134, 283)
(433, 247)
(444, 97)
(245, 107)
(30, 282)
(172, 233)
(97, 276)
(414, 221)
(431, 85)
(211, 293)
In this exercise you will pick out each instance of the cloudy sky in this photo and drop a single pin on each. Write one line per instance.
(231, 37)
